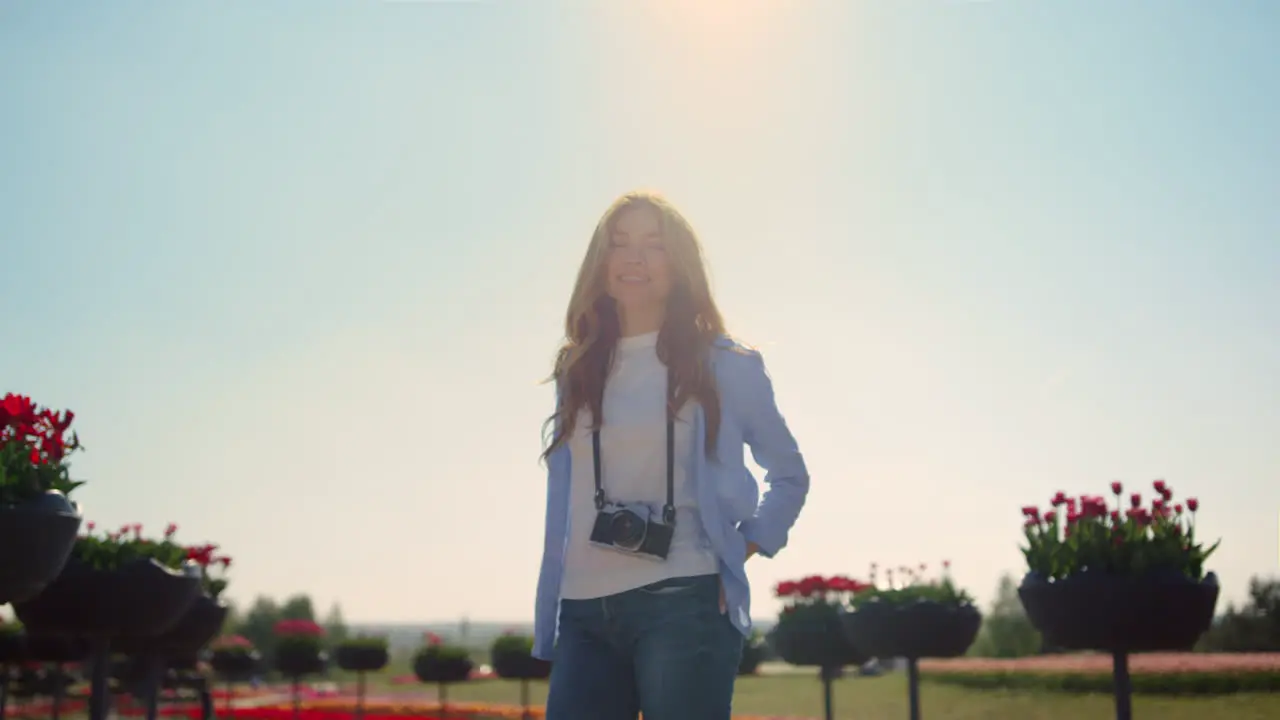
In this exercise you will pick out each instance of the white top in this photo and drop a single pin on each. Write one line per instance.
(633, 469)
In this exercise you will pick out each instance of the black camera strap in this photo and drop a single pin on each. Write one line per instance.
(668, 510)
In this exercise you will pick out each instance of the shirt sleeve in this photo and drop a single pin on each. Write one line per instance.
(774, 448)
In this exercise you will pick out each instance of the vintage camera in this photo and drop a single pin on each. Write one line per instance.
(635, 530)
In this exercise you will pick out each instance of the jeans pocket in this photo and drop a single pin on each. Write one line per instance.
(676, 586)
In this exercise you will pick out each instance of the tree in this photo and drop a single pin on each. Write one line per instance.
(335, 628)
(258, 625)
(1253, 628)
(298, 607)
(1006, 631)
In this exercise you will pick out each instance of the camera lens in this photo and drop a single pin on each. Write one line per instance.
(627, 529)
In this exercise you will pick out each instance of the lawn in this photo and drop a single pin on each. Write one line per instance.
(885, 697)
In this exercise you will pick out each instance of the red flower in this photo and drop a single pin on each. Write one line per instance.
(1116, 488)
(1050, 516)
(1159, 486)
(1060, 498)
(1193, 504)
(1135, 500)
(786, 588)
(433, 639)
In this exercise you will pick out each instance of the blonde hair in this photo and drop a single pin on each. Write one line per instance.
(691, 325)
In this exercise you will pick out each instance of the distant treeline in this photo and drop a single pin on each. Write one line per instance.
(1006, 632)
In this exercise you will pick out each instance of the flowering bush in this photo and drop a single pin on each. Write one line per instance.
(34, 446)
(909, 585)
(440, 662)
(1079, 534)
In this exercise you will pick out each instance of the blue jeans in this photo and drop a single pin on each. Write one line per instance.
(663, 649)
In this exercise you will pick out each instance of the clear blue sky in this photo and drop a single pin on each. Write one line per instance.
(300, 266)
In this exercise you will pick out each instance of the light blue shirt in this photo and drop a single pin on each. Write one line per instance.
(729, 503)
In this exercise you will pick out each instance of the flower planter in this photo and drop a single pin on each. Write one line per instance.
(195, 629)
(922, 629)
(36, 538)
(357, 658)
(913, 630)
(1119, 613)
(815, 639)
(520, 666)
(235, 665)
(294, 660)
(141, 598)
(442, 669)
(1119, 578)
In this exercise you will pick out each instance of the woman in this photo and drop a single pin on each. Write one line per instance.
(643, 600)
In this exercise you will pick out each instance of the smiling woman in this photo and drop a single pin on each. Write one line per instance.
(642, 599)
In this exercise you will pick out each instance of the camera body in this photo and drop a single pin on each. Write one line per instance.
(634, 529)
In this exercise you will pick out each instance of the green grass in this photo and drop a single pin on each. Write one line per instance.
(886, 697)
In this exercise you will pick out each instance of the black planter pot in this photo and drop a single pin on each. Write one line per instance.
(915, 630)
(924, 629)
(297, 659)
(36, 538)
(520, 666)
(442, 670)
(1096, 611)
(815, 639)
(139, 599)
(1121, 614)
(56, 649)
(361, 658)
(195, 629)
(235, 666)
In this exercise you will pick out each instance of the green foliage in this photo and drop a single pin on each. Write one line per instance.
(259, 622)
(112, 550)
(512, 644)
(1254, 627)
(1084, 533)
(335, 627)
(364, 642)
(941, 591)
(441, 652)
(1006, 631)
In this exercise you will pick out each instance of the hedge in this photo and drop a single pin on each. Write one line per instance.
(1173, 683)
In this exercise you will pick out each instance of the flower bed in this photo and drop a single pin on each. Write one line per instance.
(1153, 673)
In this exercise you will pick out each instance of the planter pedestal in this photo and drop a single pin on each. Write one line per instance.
(922, 629)
(1121, 614)
(360, 660)
(523, 667)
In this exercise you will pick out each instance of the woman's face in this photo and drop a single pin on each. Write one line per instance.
(639, 272)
